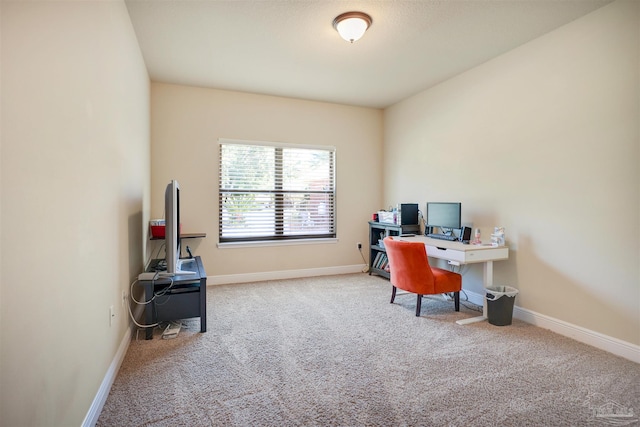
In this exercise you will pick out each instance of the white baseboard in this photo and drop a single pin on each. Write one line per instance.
(603, 342)
(284, 274)
(95, 409)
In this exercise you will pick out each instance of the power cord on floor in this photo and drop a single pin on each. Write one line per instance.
(471, 306)
(461, 270)
(366, 265)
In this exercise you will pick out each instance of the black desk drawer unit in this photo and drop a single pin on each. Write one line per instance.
(177, 305)
(186, 298)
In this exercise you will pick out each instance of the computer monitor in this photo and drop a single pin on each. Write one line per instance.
(172, 230)
(444, 215)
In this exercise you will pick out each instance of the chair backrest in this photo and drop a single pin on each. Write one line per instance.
(409, 266)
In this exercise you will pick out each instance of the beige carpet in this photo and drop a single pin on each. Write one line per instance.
(332, 351)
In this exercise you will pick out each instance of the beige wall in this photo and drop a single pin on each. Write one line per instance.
(544, 141)
(186, 123)
(75, 183)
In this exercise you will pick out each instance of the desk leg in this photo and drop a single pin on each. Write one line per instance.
(488, 282)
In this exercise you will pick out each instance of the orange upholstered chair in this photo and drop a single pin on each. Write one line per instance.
(410, 271)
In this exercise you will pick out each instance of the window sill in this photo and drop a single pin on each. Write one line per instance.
(267, 243)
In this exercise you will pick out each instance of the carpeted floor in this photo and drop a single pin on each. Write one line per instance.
(332, 351)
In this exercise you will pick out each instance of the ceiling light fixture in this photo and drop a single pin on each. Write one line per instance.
(352, 25)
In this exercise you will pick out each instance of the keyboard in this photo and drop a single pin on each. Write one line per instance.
(443, 237)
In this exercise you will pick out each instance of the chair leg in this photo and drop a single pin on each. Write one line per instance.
(456, 300)
(393, 293)
(418, 305)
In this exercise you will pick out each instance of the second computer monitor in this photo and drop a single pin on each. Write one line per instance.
(409, 214)
(444, 215)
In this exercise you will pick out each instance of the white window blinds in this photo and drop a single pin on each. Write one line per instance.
(272, 191)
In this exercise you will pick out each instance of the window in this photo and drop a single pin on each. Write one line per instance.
(274, 191)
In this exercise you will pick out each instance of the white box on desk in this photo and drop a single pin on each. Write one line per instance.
(386, 217)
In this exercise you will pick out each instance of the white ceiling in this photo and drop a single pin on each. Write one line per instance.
(289, 47)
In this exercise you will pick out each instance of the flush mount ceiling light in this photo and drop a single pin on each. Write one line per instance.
(352, 25)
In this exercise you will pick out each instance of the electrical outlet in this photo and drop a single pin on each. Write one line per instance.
(112, 315)
(359, 245)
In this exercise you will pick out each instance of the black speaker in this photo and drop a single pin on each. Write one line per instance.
(409, 214)
(465, 234)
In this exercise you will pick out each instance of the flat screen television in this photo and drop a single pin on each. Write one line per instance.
(172, 231)
(444, 215)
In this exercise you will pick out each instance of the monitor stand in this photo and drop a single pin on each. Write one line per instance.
(187, 261)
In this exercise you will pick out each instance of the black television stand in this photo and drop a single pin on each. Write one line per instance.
(186, 298)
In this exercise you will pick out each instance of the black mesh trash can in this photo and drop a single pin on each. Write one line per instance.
(500, 300)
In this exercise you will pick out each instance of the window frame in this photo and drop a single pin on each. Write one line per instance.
(272, 240)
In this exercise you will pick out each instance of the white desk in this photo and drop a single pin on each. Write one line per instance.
(457, 253)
